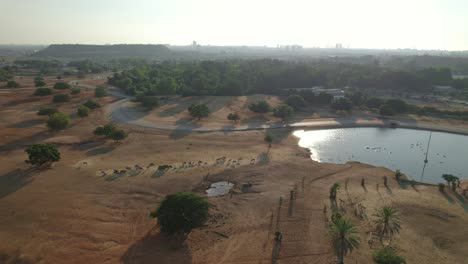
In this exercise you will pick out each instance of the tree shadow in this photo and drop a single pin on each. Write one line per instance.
(155, 247)
(27, 123)
(100, 151)
(184, 127)
(88, 145)
(461, 201)
(228, 129)
(278, 134)
(389, 190)
(263, 158)
(14, 180)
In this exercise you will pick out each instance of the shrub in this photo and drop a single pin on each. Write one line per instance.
(61, 98)
(295, 101)
(91, 104)
(58, 121)
(199, 110)
(283, 111)
(40, 154)
(100, 92)
(149, 102)
(47, 111)
(39, 83)
(105, 130)
(386, 110)
(82, 111)
(260, 107)
(387, 255)
(233, 117)
(75, 91)
(12, 84)
(118, 134)
(61, 86)
(181, 212)
(42, 91)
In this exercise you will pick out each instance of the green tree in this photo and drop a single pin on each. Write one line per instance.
(181, 212)
(47, 111)
(166, 85)
(82, 111)
(295, 101)
(12, 84)
(283, 111)
(58, 121)
(61, 86)
(233, 117)
(199, 110)
(100, 92)
(61, 98)
(268, 139)
(41, 154)
(260, 107)
(333, 190)
(397, 105)
(451, 180)
(324, 98)
(75, 90)
(387, 221)
(39, 83)
(92, 104)
(149, 102)
(42, 91)
(386, 110)
(118, 135)
(105, 130)
(344, 237)
(375, 103)
(387, 255)
(343, 104)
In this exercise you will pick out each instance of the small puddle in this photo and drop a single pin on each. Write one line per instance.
(219, 188)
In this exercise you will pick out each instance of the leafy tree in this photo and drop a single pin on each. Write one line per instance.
(387, 221)
(39, 83)
(441, 187)
(343, 104)
(387, 255)
(58, 121)
(451, 180)
(92, 104)
(75, 90)
(357, 98)
(260, 107)
(82, 111)
(344, 236)
(233, 117)
(42, 91)
(181, 212)
(61, 86)
(295, 101)
(166, 85)
(118, 135)
(199, 110)
(105, 130)
(40, 154)
(397, 105)
(149, 102)
(375, 103)
(268, 139)
(47, 111)
(61, 98)
(324, 98)
(283, 111)
(12, 84)
(386, 110)
(100, 92)
(333, 190)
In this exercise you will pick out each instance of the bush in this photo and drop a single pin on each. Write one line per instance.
(100, 92)
(91, 104)
(61, 86)
(181, 212)
(295, 101)
(42, 91)
(61, 98)
(47, 111)
(40, 154)
(283, 111)
(75, 91)
(199, 110)
(260, 107)
(118, 135)
(39, 83)
(105, 130)
(343, 104)
(386, 110)
(233, 117)
(149, 102)
(58, 121)
(82, 111)
(387, 255)
(12, 84)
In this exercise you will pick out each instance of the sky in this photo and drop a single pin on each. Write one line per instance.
(389, 24)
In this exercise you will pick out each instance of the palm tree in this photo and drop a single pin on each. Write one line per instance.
(345, 237)
(387, 221)
(333, 190)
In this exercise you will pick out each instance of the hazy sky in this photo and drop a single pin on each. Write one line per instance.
(422, 24)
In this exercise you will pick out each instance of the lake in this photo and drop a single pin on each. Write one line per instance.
(403, 149)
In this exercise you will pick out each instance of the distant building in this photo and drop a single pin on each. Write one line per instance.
(336, 93)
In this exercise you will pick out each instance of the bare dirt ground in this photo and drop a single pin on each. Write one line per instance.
(92, 206)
